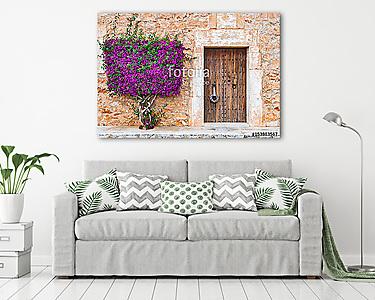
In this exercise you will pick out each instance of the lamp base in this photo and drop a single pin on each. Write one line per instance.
(361, 269)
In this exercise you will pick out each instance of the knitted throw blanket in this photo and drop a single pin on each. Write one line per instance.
(334, 266)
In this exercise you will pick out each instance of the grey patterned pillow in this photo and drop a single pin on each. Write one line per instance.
(234, 191)
(139, 191)
(186, 198)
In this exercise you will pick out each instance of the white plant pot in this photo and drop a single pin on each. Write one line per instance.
(11, 207)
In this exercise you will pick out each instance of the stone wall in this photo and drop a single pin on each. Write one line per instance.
(260, 32)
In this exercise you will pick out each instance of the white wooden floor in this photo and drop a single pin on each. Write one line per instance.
(41, 285)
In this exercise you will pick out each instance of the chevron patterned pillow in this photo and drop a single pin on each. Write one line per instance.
(139, 191)
(234, 191)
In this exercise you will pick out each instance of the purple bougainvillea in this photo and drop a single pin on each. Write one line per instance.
(139, 68)
(139, 65)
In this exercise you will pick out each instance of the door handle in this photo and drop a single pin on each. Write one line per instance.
(214, 98)
(234, 84)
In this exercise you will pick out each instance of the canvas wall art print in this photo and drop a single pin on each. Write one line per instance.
(188, 75)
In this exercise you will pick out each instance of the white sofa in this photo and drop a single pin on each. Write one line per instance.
(223, 243)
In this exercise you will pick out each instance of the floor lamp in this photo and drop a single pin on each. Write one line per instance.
(336, 119)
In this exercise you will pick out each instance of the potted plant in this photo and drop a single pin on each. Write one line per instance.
(14, 174)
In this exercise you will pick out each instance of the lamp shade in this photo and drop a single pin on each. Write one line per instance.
(334, 118)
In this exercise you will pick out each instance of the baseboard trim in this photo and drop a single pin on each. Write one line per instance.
(41, 260)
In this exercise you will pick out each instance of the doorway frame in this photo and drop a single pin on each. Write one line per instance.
(228, 124)
(235, 38)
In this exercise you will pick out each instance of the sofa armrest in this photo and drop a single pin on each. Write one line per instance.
(309, 212)
(65, 212)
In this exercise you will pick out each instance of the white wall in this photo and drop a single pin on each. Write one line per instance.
(48, 100)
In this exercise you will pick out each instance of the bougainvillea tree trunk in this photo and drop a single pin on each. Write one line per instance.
(146, 113)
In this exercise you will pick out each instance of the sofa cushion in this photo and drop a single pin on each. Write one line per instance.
(131, 225)
(242, 225)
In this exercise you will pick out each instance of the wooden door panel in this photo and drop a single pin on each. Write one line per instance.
(227, 72)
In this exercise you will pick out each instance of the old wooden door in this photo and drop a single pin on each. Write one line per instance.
(227, 79)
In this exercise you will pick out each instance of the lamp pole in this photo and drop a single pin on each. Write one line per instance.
(355, 268)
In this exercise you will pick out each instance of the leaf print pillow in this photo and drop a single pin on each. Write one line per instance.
(276, 192)
(96, 195)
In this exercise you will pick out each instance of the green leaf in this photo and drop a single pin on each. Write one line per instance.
(78, 187)
(23, 181)
(7, 150)
(262, 176)
(71, 186)
(289, 190)
(112, 172)
(109, 184)
(39, 156)
(18, 159)
(5, 173)
(263, 195)
(91, 203)
(39, 167)
(108, 207)
(32, 159)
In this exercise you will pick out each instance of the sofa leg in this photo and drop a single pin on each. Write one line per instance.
(312, 277)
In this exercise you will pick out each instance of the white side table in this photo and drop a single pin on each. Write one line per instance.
(16, 241)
